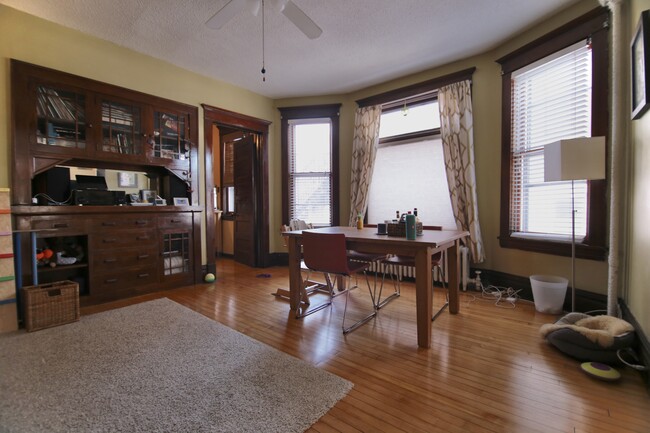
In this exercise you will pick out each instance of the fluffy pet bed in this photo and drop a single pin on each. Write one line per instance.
(590, 338)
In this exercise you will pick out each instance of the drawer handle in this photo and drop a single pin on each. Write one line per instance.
(109, 223)
(110, 260)
(175, 221)
(141, 222)
(143, 256)
(142, 238)
(60, 225)
(109, 240)
(111, 280)
(143, 275)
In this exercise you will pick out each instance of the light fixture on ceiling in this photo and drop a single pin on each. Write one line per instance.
(405, 109)
(574, 159)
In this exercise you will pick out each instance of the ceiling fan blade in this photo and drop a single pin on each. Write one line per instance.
(225, 14)
(254, 6)
(301, 20)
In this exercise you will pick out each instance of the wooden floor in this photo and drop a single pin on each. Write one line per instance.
(488, 370)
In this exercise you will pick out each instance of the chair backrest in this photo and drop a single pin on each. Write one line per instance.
(285, 238)
(325, 252)
(297, 224)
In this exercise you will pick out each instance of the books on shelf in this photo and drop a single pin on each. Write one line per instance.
(170, 123)
(123, 145)
(51, 104)
(116, 115)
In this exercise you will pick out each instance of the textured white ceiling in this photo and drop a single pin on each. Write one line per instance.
(364, 42)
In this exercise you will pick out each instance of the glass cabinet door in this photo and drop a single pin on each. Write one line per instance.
(121, 129)
(176, 253)
(60, 118)
(170, 140)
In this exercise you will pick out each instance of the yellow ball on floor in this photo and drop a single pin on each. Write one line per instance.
(209, 278)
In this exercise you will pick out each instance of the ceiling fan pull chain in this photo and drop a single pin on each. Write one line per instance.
(263, 68)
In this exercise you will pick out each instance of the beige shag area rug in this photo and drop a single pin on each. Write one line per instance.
(156, 367)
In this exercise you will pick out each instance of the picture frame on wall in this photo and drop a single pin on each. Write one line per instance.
(127, 179)
(640, 80)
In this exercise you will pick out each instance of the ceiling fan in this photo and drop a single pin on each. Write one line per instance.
(287, 7)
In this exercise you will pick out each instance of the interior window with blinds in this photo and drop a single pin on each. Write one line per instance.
(551, 100)
(310, 170)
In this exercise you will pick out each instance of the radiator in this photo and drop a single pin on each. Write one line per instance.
(409, 271)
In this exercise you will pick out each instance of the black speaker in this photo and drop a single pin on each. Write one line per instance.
(174, 187)
(54, 183)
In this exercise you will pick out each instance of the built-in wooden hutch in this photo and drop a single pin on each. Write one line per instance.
(143, 232)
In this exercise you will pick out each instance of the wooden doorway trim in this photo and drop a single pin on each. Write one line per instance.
(220, 117)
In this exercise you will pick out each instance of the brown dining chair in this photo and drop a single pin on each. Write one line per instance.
(309, 285)
(327, 253)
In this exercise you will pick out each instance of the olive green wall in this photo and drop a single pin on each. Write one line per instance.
(636, 288)
(486, 98)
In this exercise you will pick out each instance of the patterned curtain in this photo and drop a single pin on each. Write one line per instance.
(364, 150)
(457, 130)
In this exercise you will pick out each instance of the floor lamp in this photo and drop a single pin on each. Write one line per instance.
(574, 159)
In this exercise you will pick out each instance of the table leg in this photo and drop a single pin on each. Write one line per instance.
(453, 264)
(295, 277)
(423, 296)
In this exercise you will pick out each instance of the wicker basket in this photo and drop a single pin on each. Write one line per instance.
(399, 229)
(52, 304)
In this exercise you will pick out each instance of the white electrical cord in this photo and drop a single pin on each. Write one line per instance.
(51, 201)
(503, 297)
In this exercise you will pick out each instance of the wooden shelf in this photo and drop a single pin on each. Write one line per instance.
(48, 269)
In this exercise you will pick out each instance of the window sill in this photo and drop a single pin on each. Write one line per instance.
(558, 248)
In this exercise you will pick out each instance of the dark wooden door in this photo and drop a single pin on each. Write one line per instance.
(245, 210)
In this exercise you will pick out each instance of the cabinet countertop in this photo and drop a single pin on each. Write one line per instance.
(87, 210)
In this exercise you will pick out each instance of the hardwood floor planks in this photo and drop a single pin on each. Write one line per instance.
(488, 369)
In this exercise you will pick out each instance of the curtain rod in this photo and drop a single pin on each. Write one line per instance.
(417, 88)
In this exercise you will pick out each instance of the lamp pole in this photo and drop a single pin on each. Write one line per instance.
(573, 248)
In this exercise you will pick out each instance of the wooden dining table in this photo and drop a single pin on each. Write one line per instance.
(421, 248)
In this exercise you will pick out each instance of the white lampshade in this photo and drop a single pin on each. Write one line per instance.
(575, 159)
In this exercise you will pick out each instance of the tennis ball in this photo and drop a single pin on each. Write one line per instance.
(209, 278)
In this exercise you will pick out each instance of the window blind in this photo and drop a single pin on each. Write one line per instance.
(310, 171)
(228, 177)
(551, 100)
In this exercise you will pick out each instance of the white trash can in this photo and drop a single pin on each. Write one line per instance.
(548, 293)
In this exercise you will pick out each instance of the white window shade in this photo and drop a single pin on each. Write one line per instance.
(310, 171)
(551, 100)
(411, 175)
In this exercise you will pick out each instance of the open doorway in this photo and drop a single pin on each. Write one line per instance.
(237, 209)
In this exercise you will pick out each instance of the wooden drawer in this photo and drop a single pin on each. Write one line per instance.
(114, 260)
(117, 282)
(65, 224)
(110, 239)
(173, 221)
(114, 222)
